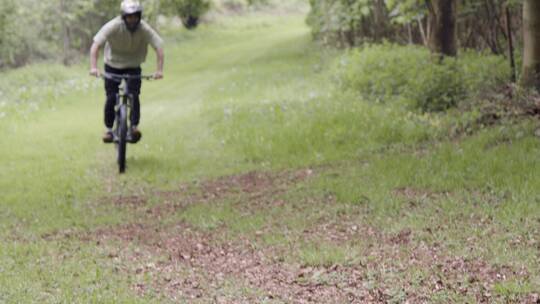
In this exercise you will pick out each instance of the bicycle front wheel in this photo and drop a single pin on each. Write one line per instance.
(122, 138)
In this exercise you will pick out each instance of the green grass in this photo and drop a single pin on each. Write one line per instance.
(321, 254)
(208, 216)
(250, 93)
(53, 272)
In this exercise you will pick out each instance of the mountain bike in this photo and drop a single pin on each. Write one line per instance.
(122, 127)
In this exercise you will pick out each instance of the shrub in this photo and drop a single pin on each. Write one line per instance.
(190, 11)
(408, 74)
(437, 87)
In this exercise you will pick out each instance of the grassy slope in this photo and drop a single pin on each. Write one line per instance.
(241, 95)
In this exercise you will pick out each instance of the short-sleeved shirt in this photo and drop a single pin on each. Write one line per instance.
(123, 48)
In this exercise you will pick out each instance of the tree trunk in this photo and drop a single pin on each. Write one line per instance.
(65, 34)
(409, 34)
(510, 43)
(422, 32)
(442, 20)
(381, 23)
(531, 44)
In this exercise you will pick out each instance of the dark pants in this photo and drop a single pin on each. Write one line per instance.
(111, 89)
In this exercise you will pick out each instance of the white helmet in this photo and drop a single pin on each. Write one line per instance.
(129, 7)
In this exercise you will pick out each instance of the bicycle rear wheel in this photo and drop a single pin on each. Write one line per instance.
(122, 138)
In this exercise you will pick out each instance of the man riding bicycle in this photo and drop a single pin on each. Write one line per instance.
(126, 40)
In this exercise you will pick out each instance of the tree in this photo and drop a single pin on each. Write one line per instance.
(442, 24)
(531, 44)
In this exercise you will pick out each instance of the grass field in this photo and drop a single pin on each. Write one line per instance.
(257, 181)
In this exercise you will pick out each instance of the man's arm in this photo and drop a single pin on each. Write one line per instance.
(160, 59)
(94, 53)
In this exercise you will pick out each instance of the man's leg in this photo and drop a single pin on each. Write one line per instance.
(135, 88)
(111, 90)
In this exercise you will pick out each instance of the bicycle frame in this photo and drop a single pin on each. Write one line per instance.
(124, 103)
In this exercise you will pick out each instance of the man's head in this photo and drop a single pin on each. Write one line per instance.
(131, 14)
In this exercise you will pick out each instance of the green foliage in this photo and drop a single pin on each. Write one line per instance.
(335, 21)
(409, 74)
(351, 22)
(15, 45)
(406, 11)
(438, 87)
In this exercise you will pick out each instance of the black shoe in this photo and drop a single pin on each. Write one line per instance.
(135, 135)
(108, 137)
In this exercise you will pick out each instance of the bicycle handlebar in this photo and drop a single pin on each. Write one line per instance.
(119, 77)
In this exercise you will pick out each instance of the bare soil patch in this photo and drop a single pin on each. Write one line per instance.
(184, 263)
(255, 186)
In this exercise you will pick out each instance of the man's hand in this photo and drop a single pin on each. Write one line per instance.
(95, 72)
(94, 52)
(159, 67)
(158, 75)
